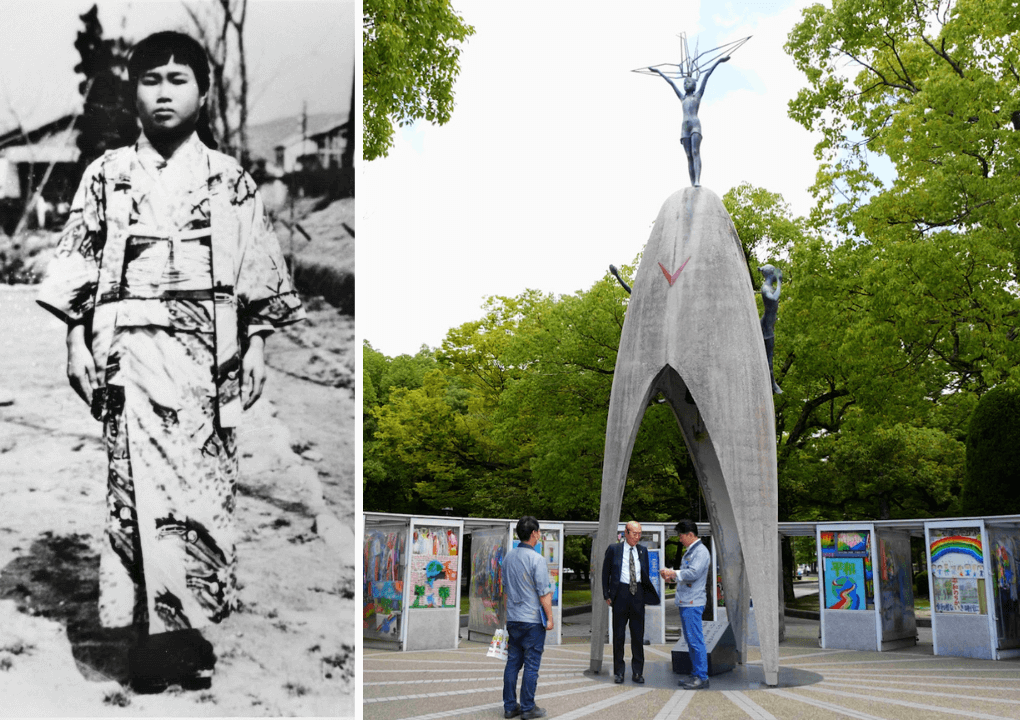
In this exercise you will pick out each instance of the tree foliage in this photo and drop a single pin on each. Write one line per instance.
(993, 480)
(219, 28)
(411, 52)
(511, 417)
(108, 119)
(932, 87)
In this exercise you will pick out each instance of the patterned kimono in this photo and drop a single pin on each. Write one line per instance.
(172, 264)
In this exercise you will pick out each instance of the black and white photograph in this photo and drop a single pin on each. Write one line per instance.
(177, 417)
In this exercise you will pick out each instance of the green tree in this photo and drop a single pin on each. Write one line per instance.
(933, 88)
(993, 481)
(108, 118)
(411, 51)
(862, 430)
(440, 435)
(512, 418)
(388, 483)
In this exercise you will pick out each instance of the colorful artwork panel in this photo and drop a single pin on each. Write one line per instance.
(869, 573)
(1005, 566)
(434, 541)
(897, 585)
(851, 542)
(653, 620)
(957, 553)
(488, 606)
(433, 567)
(382, 582)
(433, 580)
(844, 583)
(959, 595)
(551, 551)
(1004, 547)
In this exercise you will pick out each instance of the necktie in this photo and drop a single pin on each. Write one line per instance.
(633, 573)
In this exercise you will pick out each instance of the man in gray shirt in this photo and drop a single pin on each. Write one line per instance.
(691, 599)
(528, 616)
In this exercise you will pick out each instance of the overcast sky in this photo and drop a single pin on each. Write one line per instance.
(297, 50)
(557, 157)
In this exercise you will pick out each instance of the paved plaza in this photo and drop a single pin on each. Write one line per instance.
(901, 684)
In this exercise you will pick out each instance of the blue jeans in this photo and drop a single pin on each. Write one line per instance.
(527, 641)
(690, 621)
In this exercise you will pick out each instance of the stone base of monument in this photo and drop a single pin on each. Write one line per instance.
(720, 644)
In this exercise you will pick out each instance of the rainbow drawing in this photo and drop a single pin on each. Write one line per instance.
(960, 544)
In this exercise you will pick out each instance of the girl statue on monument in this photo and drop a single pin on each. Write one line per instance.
(690, 134)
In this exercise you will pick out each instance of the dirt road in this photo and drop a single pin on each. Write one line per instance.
(289, 651)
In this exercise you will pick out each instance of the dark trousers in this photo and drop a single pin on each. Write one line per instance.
(527, 641)
(629, 609)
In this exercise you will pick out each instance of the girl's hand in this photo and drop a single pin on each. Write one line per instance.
(81, 366)
(253, 366)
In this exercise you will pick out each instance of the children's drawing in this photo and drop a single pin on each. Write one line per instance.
(383, 581)
(897, 588)
(851, 541)
(844, 583)
(957, 553)
(958, 570)
(1007, 586)
(853, 544)
(958, 595)
(488, 607)
(846, 590)
(433, 567)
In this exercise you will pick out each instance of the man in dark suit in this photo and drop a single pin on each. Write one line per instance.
(627, 588)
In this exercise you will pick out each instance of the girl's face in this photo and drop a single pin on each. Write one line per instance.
(168, 100)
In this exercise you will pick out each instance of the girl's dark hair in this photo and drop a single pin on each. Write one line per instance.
(157, 50)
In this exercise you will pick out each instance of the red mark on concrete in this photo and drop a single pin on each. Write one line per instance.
(672, 278)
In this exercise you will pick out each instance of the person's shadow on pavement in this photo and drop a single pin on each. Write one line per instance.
(58, 578)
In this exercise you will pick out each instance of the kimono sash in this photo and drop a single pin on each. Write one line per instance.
(225, 249)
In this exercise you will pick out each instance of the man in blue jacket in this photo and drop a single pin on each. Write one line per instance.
(691, 598)
(627, 588)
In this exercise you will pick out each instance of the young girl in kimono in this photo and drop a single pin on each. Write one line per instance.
(169, 278)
